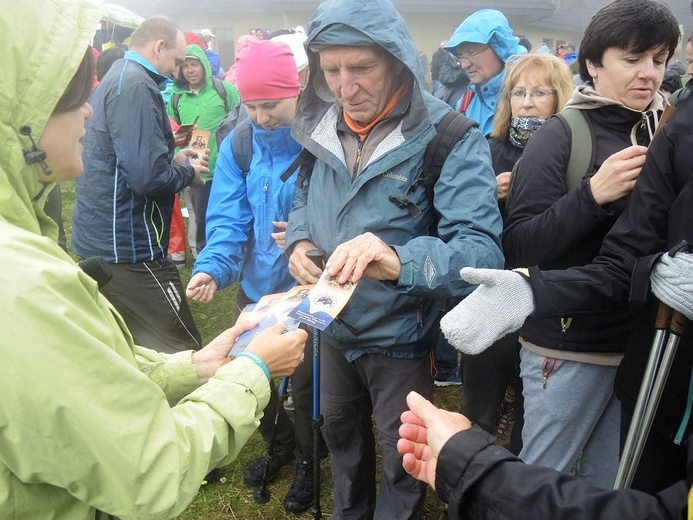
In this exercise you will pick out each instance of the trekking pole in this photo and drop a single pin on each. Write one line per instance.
(318, 257)
(670, 325)
(261, 494)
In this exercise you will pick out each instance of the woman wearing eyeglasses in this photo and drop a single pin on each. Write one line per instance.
(535, 87)
(569, 363)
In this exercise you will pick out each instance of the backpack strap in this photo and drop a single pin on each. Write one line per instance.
(219, 87)
(174, 102)
(242, 144)
(305, 162)
(466, 101)
(583, 146)
(449, 131)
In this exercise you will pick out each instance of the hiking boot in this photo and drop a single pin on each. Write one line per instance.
(253, 474)
(300, 495)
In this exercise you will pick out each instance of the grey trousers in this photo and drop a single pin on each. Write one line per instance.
(373, 385)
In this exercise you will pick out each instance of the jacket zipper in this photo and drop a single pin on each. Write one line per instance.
(357, 161)
(546, 371)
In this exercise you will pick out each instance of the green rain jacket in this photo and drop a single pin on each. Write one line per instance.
(206, 103)
(85, 426)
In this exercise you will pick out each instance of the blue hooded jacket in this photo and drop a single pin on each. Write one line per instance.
(396, 318)
(489, 27)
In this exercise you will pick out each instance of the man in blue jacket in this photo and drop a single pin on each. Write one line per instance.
(483, 43)
(367, 119)
(125, 197)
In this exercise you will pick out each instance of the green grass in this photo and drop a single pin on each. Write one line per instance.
(229, 498)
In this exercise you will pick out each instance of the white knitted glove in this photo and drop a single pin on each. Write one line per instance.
(672, 282)
(499, 306)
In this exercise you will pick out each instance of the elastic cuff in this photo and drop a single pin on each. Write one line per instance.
(258, 361)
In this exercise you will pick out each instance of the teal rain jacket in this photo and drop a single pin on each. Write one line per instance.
(400, 318)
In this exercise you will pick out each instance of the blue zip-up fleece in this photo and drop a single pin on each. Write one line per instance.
(398, 319)
(490, 27)
(240, 214)
(125, 196)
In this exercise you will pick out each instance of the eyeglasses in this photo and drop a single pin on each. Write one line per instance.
(536, 95)
(472, 57)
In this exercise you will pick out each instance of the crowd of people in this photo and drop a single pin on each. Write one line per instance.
(525, 262)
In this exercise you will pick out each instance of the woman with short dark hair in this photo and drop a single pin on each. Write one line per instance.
(569, 363)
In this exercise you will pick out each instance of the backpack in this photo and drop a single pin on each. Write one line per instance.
(583, 151)
(218, 86)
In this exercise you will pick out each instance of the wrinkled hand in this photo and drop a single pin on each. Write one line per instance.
(301, 267)
(200, 167)
(201, 288)
(503, 181)
(672, 282)
(281, 351)
(424, 431)
(617, 175)
(499, 306)
(366, 255)
(208, 360)
(280, 236)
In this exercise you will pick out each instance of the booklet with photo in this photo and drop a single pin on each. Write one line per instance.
(324, 302)
(270, 310)
(199, 141)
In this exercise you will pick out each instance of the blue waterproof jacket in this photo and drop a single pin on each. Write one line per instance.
(125, 196)
(490, 27)
(397, 318)
(240, 214)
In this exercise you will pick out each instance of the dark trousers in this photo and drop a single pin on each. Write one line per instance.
(150, 298)
(199, 198)
(297, 435)
(486, 377)
(374, 385)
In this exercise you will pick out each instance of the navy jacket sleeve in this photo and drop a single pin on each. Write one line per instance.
(478, 479)
(136, 117)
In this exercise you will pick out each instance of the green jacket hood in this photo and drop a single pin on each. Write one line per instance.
(39, 64)
(194, 50)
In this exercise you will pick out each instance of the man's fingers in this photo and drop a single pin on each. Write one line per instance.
(421, 406)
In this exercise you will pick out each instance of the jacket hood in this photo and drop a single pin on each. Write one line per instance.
(39, 64)
(585, 97)
(490, 27)
(350, 22)
(195, 50)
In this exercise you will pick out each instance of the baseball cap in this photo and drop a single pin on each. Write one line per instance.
(207, 32)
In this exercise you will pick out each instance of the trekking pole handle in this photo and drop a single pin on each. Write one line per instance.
(318, 257)
(663, 319)
(679, 323)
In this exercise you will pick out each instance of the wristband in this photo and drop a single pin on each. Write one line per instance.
(258, 361)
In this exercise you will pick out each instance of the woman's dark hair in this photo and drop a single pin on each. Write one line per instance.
(78, 90)
(630, 25)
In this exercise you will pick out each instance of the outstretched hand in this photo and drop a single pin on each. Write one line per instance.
(499, 306)
(424, 431)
